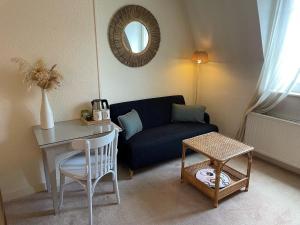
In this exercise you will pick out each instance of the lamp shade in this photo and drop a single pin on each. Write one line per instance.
(200, 57)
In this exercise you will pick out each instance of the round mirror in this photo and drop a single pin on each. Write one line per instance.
(135, 37)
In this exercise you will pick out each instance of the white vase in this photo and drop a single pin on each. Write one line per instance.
(46, 114)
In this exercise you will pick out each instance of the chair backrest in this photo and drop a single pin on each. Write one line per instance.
(103, 148)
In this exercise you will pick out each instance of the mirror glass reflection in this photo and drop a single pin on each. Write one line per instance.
(135, 37)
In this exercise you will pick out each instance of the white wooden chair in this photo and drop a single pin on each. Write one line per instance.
(99, 159)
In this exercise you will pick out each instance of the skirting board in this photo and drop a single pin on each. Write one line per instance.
(277, 162)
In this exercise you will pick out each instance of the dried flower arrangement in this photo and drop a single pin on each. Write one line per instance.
(38, 74)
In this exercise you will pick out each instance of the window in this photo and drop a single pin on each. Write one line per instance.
(296, 89)
(291, 44)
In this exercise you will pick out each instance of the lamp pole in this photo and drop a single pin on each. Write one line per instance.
(196, 84)
(198, 57)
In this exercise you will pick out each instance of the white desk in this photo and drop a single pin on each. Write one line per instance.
(56, 141)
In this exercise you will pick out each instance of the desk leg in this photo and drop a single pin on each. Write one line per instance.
(182, 162)
(47, 177)
(248, 170)
(51, 155)
(218, 168)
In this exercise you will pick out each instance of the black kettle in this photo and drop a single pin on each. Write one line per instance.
(98, 104)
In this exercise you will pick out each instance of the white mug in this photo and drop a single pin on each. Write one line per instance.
(105, 114)
(97, 115)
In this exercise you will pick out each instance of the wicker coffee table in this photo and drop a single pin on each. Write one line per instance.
(219, 149)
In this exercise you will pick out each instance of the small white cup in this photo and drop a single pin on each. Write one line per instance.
(97, 115)
(105, 114)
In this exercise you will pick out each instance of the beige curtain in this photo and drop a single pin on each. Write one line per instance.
(280, 71)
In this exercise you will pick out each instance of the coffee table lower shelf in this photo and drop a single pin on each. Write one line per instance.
(238, 180)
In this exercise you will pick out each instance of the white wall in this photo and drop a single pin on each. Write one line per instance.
(170, 71)
(226, 89)
(229, 32)
(60, 31)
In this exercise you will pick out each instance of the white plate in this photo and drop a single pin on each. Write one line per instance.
(208, 176)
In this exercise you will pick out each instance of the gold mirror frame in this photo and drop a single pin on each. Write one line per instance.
(119, 21)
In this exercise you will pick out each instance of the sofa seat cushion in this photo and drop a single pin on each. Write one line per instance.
(162, 143)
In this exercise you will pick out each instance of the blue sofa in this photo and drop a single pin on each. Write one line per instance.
(161, 139)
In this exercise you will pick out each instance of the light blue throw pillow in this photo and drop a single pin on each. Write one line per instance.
(130, 123)
(188, 113)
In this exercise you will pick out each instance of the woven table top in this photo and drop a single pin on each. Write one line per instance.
(216, 146)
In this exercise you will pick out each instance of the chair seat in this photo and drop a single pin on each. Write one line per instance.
(76, 167)
(168, 133)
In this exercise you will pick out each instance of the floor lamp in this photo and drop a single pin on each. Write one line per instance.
(199, 57)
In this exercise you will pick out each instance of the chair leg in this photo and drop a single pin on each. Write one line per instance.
(61, 191)
(90, 201)
(116, 188)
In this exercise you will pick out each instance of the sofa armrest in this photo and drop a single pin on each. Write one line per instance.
(206, 118)
(122, 139)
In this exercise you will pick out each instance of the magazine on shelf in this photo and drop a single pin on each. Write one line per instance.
(208, 177)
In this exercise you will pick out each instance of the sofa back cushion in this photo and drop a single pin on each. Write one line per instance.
(153, 112)
(188, 113)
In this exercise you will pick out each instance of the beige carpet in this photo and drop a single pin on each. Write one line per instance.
(156, 196)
